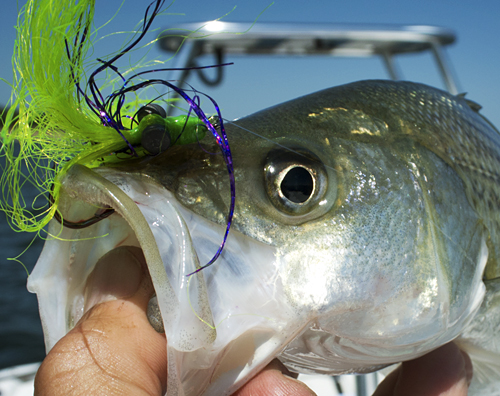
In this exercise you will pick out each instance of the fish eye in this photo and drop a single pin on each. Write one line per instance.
(151, 108)
(296, 181)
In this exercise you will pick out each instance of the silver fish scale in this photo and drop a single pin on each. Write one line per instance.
(443, 123)
(383, 113)
(447, 126)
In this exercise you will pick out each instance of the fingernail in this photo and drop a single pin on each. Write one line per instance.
(117, 275)
(277, 365)
(154, 315)
(294, 387)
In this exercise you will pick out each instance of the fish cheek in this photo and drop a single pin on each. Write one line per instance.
(351, 243)
(399, 253)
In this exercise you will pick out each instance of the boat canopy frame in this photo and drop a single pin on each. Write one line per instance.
(192, 40)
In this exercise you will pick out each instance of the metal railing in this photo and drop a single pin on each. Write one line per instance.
(221, 39)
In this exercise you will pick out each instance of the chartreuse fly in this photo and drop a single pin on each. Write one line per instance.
(65, 118)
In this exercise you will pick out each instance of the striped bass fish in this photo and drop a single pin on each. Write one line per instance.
(366, 232)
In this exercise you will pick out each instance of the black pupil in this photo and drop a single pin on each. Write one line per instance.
(297, 185)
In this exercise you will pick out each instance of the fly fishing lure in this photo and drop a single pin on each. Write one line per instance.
(63, 122)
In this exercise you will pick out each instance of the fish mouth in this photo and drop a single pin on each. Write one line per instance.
(228, 309)
(147, 216)
(237, 308)
(233, 317)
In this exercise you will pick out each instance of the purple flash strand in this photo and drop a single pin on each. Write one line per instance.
(103, 107)
(221, 140)
(181, 69)
(226, 152)
(95, 101)
(146, 25)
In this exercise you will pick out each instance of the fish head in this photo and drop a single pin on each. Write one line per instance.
(352, 245)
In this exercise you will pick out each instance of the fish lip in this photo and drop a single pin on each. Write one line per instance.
(62, 305)
(81, 249)
(82, 190)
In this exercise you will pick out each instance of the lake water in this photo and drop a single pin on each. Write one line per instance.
(21, 338)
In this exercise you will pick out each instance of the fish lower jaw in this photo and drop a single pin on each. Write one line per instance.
(224, 323)
(212, 318)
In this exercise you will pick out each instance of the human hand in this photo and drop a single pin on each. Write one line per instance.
(113, 350)
(446, 371)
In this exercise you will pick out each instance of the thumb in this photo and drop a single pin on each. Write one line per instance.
(446, 371)
(274, 380)
(113, 350)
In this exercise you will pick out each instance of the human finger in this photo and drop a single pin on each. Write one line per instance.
(113, 350)
(446, 371)
(274, 380)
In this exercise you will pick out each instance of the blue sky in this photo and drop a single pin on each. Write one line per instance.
(258, 82)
